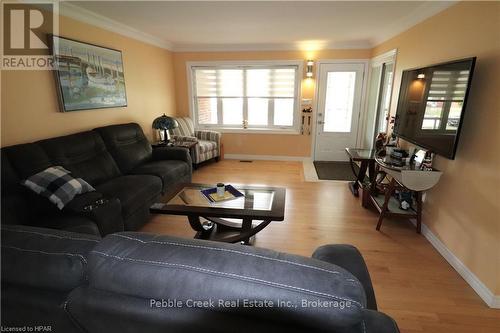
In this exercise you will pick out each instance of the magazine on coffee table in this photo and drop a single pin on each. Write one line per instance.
(229, 194)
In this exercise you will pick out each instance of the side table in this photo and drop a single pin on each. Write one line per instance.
(366, 157)
(158, 144)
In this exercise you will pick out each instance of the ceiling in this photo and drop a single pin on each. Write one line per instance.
(256, 25)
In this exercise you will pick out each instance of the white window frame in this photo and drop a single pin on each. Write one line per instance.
(269, 129)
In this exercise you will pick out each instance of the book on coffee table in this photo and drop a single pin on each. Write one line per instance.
(229, 194)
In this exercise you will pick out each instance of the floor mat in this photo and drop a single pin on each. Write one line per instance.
(327, 170)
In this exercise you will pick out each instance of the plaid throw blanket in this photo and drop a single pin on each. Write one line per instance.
(56, 184)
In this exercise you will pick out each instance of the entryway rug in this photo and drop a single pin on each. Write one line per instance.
(327, 170)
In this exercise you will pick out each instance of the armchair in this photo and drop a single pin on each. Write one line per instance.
(208, 142)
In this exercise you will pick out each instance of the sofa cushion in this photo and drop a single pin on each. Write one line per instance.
(169, 171)
(134, 191)
(24, 161)
(84, 154)
(12, 195)
(127, 144)
(204, 270)
(27, 159)
(56, 184)
(185, 128)
(10, 179)
(44, 258)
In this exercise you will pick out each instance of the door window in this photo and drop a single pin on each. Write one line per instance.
(339, 101)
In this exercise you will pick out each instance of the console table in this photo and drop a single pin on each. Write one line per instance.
(403, 178)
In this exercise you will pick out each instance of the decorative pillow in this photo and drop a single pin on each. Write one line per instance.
(57, 185)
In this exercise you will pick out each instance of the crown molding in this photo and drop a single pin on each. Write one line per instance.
(86, 16)
(181, 47)
(389, 56)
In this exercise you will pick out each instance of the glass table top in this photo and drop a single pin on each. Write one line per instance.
(361, 154)
(256, 199)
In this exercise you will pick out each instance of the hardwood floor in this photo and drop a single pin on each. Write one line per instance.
(412, 282)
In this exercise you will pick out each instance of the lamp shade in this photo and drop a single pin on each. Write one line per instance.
(165, 122)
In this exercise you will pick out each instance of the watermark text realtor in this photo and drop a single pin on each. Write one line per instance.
(26, 27)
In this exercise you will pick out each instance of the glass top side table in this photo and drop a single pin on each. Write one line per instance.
(366, 157)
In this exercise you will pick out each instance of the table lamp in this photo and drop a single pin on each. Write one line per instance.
(164, 124)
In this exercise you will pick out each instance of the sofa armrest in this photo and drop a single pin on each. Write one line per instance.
(378, 322)
(209, 136)
(75, 223)
(349, 258)
(172, 153)
(105, 212)
(80, 201)
(44, 258)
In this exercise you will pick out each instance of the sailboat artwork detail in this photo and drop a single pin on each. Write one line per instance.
(88, 76)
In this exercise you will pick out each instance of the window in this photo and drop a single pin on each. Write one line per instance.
(339, 101)
(259, 96)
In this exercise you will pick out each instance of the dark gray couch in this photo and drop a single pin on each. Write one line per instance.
(138, 282)
(117, 161)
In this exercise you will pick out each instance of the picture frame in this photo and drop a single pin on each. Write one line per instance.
(87, 76)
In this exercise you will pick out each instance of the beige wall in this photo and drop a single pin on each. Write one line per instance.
(258, 144)
(29, 100)
(463, 210)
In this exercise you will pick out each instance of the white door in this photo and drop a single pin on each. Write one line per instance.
(339, 103)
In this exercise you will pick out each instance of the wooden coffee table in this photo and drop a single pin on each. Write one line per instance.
(253, 212)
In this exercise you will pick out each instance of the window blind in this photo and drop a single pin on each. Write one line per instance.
(259, 83)
(245, 96)
(448, 86)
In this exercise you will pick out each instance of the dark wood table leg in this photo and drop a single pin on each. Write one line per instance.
(388, 194)
(244, 232)
(371, 171)
(203, 230)
(419, 212)
(372, 175)
(354, 186)
(245, 228)
(373, 185)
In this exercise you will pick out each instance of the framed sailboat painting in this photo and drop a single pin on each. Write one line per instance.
(87, 76)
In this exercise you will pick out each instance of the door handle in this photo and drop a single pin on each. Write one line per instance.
(321, 122)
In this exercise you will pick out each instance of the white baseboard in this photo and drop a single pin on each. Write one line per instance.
(265, 157)
(495, 302)
(492, 300)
